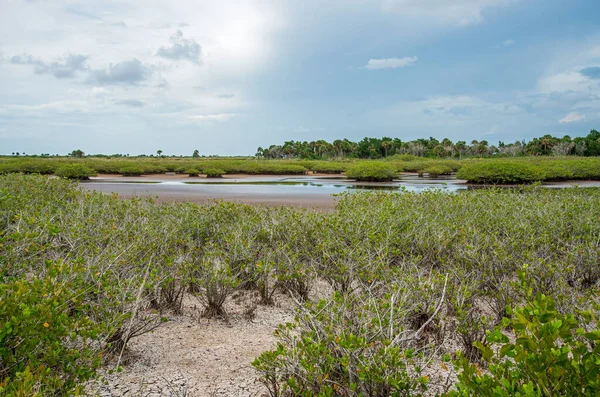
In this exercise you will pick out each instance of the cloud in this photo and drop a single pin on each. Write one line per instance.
(390, 63)
(64, 67)
(592, 72)
(563, 82)
(455, 12)
(131, 102)
(225, 96)
(214, 117)
(181, 49)
(508, 43)
(127, 72)
(571, 118)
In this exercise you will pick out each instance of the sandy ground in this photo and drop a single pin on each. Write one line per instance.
(190, 356)
(194, 357)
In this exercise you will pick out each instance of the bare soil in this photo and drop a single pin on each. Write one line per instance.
(195, 357)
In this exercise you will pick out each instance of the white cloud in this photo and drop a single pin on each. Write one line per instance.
(563, 82)
(390, 63)
(455, 12)
(571, 118)
(508, 43)
(181, 48)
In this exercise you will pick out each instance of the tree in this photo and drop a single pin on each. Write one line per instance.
(461, 148)
(77, 153)
(562, 148)
(196, 153)
(159, 152)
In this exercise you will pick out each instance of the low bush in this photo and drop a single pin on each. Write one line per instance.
(346, 346)
(436, 170)
(403, 157)
(500, 172)
(399, 286)
(39, 166)
(47, 343)
(192, 172)
(327, 167)
(271, 168)
(131, 170)
(75, 171)
(548, 356)
(213, 172)
(371, 172)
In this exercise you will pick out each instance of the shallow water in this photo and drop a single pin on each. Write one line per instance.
(303, 191)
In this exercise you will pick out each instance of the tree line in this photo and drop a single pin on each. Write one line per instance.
(377, 148)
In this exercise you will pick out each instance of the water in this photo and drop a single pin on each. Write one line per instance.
(302, 191)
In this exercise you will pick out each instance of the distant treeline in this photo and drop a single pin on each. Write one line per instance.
(376, 148)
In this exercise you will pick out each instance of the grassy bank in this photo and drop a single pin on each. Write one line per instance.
(495, 171)
(415, 278)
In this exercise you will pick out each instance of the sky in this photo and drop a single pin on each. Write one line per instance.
(227, 76)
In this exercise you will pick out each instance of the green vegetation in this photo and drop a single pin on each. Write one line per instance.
(493, 170)
(509, 171)
(550, 356)
(371, 172)
(75, 171)
(326, 167)
(377, 148)
(413, 278)
(436, 170)
(192, 172)
(501, 172)
(131, 170)
(214, 172)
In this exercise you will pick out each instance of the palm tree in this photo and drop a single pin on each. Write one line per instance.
(385, 145)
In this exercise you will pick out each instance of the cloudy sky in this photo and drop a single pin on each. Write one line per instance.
(227, 76)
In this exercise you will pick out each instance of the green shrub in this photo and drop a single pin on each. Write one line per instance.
(418, 165)
(131, 170)
(270, 168)
(588, 168)
(75, 171)
(46, 340)
(39, 166)
(399, 166)
(549, 356)
(436, 170)
(403, 157)
(557, 170)
(213, 172)
(341, 347)
(500, 172)
(327, 167)
(153, 168)
(182, 169)
(192, 172)
(371, 172)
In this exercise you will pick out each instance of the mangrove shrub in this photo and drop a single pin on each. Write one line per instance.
(371, 172)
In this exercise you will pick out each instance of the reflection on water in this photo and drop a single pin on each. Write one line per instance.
(274, 187)
(265, 187)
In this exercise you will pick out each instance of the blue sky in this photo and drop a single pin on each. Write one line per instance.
(226, 77)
